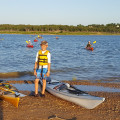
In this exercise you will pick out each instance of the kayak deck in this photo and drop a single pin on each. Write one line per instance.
(90, 48)
(10, 94)
(35, 40)
(73, 95)
(30, 46)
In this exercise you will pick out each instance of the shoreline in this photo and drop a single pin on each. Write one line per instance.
(73, 82)
(53, 108)
(57, 109)
(57, 33)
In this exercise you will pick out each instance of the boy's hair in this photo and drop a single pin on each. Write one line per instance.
(44, 42)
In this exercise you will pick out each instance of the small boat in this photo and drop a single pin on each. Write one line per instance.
(90, 48)
(30, 46)
(57, 37)
(11, 99)
(35, 40)
(10, 94)
(40, 37)
(72, 94)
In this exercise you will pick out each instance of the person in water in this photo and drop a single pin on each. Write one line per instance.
(40, 36)
(57, 37)
(29, 42)
(42, 67)
(89, 45)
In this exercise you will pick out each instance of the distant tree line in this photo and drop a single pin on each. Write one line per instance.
(112, 28)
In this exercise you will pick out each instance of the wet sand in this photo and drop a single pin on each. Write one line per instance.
(53, 108)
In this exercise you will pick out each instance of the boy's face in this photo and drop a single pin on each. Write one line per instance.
(44, 47)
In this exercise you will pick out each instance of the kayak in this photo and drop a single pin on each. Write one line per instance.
(10, 94)
(57, 37)
(11, 99)
(35, 40)
(90, 48)
(40, 37)
(30, 46)
(72, 94)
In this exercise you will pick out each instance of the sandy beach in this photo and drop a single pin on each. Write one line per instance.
(53, 108)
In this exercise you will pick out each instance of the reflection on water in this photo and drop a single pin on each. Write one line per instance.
(25, 87)
(31, 87)
(97, 88)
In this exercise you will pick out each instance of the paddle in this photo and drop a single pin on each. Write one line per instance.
(94, 42)
(76, 90)
(27, 42)
(2, 39)
(7, 89)
(40, 36)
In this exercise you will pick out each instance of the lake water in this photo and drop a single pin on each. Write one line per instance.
(31, 87)
(70, 59)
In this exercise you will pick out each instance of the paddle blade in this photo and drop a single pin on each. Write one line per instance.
(27, 42)
(94, 42)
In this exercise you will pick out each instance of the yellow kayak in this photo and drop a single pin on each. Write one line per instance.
(11, 99)
(10, 94)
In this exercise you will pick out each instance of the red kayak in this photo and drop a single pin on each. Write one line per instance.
(30, 46)
(35, 40)
(90, 48)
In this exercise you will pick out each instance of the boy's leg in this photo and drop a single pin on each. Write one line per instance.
(37, 80)
(44, 80)
(36, 85)
(44, 86)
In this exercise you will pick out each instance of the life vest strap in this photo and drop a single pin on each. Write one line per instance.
(42, 58)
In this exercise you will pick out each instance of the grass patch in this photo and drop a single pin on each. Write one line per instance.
(57, 33)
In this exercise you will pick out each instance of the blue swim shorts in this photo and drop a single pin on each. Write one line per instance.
(41, 73)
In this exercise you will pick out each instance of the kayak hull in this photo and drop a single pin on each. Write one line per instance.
(29, 46)
(85, 100)
(10, 94)
(11, 99)
(40, 37)
(35, 40)
(90, 48)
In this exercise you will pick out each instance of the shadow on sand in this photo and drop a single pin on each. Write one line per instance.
(54, 116)
(1, 110)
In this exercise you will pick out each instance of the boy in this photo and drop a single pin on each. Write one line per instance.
(42, 67)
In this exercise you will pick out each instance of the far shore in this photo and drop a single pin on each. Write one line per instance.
(57, 33)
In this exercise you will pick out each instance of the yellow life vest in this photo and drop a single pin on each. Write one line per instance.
(42, 58)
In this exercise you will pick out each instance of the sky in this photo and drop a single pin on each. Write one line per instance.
(59, 12)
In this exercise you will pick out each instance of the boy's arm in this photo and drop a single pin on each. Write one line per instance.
(35, 67)
(49, 65)
(48, 72)
(36, 64)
